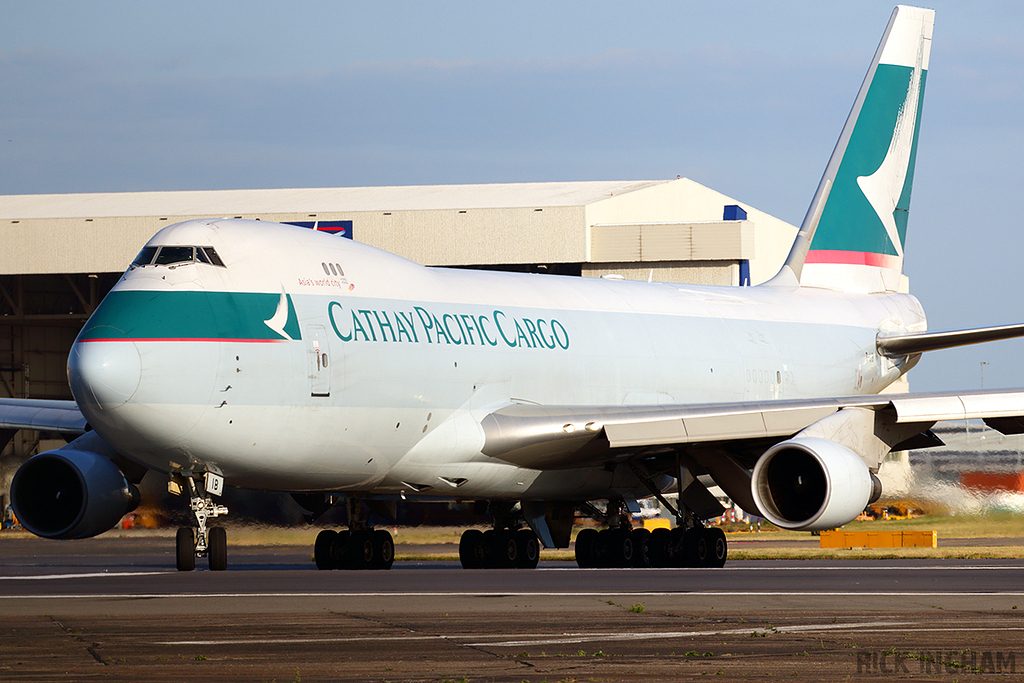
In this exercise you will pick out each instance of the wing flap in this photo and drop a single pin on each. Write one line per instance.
(994, 405)
(715, 427)
(746, 422)
(1006, 425)
(631, 434)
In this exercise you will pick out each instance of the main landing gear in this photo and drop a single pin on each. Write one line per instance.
(689, 544)
(625, 547)
(209, 542)
(499, 548)
(358, 547)
(508, 545)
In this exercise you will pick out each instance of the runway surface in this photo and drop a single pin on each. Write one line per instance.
(114, 609)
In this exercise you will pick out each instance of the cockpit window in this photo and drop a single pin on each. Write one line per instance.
(145, 256)
(174, 256)
(212, 254)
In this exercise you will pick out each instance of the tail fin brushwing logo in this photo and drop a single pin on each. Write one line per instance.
(884, 188)
(856, 227)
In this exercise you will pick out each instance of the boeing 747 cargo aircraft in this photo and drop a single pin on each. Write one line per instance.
(252, 354)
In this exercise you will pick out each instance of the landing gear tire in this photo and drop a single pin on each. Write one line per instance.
(217, 551)
(718, 548)
(504, 549)
(586, 544)
(322, 549)
(658, 547)
(641, 539)
(383, 549)
(529, 549)
(695, 547)
(617, 548)
(340, 550)
(185, 549)
(676, 550)
(472, 554)
(360, 553)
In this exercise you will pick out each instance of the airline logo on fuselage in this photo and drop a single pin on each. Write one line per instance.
(421, 326)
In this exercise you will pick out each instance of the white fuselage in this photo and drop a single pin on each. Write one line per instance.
(313, 363)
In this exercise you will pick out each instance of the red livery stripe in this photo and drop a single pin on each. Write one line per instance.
(856, 258)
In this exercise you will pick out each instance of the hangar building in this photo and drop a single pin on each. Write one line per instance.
(60, 254)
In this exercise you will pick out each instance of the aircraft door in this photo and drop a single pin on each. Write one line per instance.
(318, 349)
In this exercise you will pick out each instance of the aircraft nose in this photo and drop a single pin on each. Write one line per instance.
(105, 373)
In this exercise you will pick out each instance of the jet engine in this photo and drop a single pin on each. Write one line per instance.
(811, 484)
(71, 493)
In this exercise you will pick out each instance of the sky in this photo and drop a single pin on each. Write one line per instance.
(746, 98)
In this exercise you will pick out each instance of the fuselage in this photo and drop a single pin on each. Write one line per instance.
(296, 360)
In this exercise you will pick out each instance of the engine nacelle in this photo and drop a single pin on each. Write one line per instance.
(812, 484)
(70, 493)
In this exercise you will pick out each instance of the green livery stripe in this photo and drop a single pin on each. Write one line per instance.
(849, 223)
(206, 316)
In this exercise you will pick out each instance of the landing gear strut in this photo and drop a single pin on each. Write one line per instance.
(209, 542)
(358, 547)
(506, 545)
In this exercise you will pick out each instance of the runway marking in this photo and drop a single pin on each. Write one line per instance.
(88, 575)
(486, 640)
(573, 638)
(290, 641)
(971, 567)
(520, 594)
(42, 577)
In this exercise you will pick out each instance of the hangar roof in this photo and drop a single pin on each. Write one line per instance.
(676, 221)
(312, 200)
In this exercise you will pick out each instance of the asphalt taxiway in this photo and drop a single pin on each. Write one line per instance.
(115, 609)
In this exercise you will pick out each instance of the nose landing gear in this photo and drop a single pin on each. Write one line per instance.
(209, 542)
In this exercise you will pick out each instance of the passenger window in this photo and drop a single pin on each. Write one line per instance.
(172, 255)
(145, 256)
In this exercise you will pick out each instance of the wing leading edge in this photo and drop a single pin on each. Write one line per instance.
(43, 415)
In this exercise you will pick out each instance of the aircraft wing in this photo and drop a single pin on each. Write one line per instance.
(43, 415)
(555, 437)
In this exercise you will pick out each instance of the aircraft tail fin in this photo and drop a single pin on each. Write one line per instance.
(853, 235)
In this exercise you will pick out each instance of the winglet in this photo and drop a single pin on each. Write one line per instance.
(853, 234)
